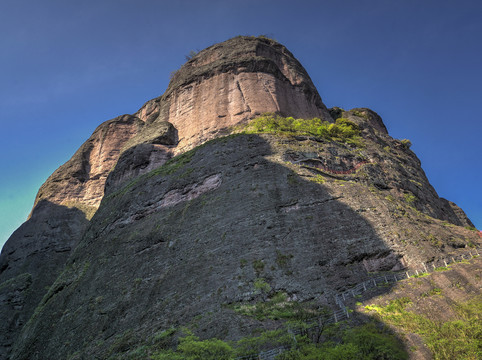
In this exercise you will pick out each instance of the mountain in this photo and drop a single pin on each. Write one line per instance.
(237, 184)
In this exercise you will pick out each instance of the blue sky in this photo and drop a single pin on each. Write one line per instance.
(66, 66)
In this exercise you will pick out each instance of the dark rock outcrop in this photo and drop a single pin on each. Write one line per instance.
(30, 262)
(194, 236)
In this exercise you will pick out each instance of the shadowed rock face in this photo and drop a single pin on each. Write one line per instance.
(170, 243)
(31, 260)
(192, 237)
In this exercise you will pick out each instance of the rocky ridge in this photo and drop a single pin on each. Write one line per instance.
(306, 215)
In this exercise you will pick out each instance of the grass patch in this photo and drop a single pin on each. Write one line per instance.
(456, 339)
(442, 268)
(319, 179)
(420, 275)
(277, 308)
(434, 291)
(409, 198)
(174, 164)
(343, 130)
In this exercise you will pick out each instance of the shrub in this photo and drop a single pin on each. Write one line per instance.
(192, 348)
(261, 284)
(365, 342)
(258, 266)
(406, 143)
(191, 54)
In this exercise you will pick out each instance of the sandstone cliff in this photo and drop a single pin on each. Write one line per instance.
(175, 238)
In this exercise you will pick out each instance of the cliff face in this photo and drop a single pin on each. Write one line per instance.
(175, 238)
(222, 86)
(232, 82)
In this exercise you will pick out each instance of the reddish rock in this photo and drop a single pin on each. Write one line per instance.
(80, 181)
(229, 83)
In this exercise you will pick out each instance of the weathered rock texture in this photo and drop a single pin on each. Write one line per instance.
(194, 235)
(175, 239)
(80, 181)
(30, 262)
(232, 82)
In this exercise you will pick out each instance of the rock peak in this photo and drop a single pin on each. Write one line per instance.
(232, 82)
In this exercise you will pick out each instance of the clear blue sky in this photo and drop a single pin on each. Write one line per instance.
(66, 66)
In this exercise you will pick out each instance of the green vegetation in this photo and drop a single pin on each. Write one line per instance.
(243, 263)
(174, 164)
(276, 308)
(170, 167)
(343, 130)
(406, 143)
(14, 282)
(433, 240)
(292, 178)
(366, 342)
(442, 268)
(190, 347)
(422, 274)
(258, 266)
(434, 291)
(333, 342)
(409, 197)
(282, 259)
(360, 114)
(191, 54)
(390, 198)
(419, 184)
(456, 339)
(319, 179)
(261, 284)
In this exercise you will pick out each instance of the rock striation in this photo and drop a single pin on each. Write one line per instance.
(229, 83)
(175, 212)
